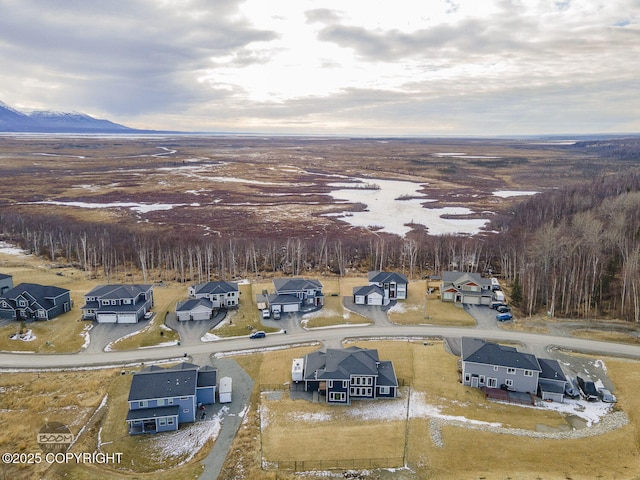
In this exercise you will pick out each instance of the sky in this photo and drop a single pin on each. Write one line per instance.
(359, 67)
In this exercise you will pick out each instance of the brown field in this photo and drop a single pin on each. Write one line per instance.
(276, 185)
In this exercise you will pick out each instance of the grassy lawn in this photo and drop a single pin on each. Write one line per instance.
(413, 310)
(606, 336)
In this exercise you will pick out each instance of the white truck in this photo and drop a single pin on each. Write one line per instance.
(297, 369)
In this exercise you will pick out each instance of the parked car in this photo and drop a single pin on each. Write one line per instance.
(266, 313)
(258, 334)
(503, 309)
(148, 315)
(276, 315)
(571, 388)
(606, 396)
(588, 389)
(496, 303)
(504, 317)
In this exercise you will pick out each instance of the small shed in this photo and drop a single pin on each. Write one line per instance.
(224, 392)
(297, 369)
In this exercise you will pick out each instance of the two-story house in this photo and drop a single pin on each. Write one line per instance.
(465, 287)
(160, 399)
(382, 289)
(295, 294)
(32, 301)
(117, 303)
(486, 364)
(353, 373)
(220, 294)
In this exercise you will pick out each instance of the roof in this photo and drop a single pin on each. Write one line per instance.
(551, 370)
(385, 277)
(4, 276)
(38, 292)
(550, 386)
(178, 381)
(475, 350)
(368, 290)
(215, 288)
(295, 284)
(459, 278)
(193, 303)
(207, 376)
(340, 364)
(144, 413)
(283, 299)
(118, 291)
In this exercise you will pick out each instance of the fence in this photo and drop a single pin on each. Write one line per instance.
(333, 464)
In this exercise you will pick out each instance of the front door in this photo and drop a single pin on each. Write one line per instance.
(474, 381)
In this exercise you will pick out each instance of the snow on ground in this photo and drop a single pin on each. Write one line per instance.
(210, 337)
(137, 207)
(87, 337)
(404, 308)
(170, 343)
(512, 193)
(27, 336)
(592, 412)
(264, 349)
(188, 440)
(419, 408)
(11, 249)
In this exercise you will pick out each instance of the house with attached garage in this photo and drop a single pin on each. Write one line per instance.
(486, 364)
(117, 303)
(296, 294)
(551, 381)
(382, 289)
(368, 295)
(160, 399)
(220, 294)
(32, 301)
(465, 287)
(343, 375)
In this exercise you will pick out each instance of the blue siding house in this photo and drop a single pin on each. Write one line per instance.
(32, 301)
(160, 399)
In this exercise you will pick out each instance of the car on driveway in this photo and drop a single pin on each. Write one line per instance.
(606, 396)
(503, 309)
(504, 317)
(266, 313)
(588, 389)
(276, 315)
(571, 388)
(258, 334)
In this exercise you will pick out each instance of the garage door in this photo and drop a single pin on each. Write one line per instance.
(290, 308)
(127, 318)
(107, 318)
(201, 315)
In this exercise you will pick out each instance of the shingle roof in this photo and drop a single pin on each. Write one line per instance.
(368, 290)
(458, 278)
(39, 292)
(215, 288)
(192, 303)
(177, 381)
(207, 376)
(295, 284)
(476, 350)
(283, 299)
(118, 291)
(383, 277)
(551, 370)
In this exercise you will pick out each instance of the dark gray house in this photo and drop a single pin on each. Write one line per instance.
(295, 294)
(220, 294)
(490, 365)
(349, 374)
(465, 287)
(160, 399)
(369, 295)
(6, 283)
(32, 301)
(117, 303)
(551, 381)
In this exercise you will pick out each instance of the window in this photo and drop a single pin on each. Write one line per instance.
(185, 410)
(169, 401)
(161, 402)
(481, 379)
(511, 371)
(492, 382)
(113, 302)
(508, 382)
(385, 390)
(142, 403)
(361, 391)
(528, 373)
(495, 368)
(330, 384)
(337, 396)
(163, 422)
(467, 378)
(369, 380)
(22, 303)
(170, 421)
(345, 384)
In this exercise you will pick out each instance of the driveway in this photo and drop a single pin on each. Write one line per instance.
(483, 315)
(102, 334)
(373, 312)
(193, 330)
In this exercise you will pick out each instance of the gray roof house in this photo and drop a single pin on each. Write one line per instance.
(162, 398)
(220, 294)
(551, 381)
(32, 301)
(353, 373)
(117, 303)
(194, 309)
(393, 284)
(489, 365)
(368, 295)
(465, 287)
(295, 294)
(6, 282)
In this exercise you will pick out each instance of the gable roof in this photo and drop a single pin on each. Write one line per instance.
(192, 303)
(368, 290)
(476, 350)
(37, 292)
(462, 278)
(178, 381)
(551, 370)
(385, 277)
(295, 284)
(283, 299)
(215, 288)
(207, 376)
(118, 291)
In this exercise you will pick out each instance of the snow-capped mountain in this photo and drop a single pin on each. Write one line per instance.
(12, 120)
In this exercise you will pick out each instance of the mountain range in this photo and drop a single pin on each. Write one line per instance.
(12, 120)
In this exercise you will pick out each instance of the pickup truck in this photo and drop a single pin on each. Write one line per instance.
(588, 389)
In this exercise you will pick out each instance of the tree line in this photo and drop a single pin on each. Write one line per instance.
(571, 252)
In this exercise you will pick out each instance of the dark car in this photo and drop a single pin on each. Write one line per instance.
(588, 389)
(503, 309)
(571, 388)
(258, 334)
